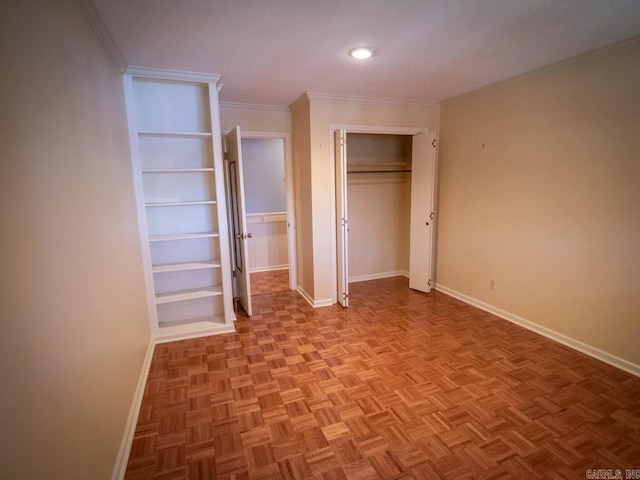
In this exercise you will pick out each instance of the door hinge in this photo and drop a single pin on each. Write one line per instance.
(433, 143)
(344, 222)
(345, 296)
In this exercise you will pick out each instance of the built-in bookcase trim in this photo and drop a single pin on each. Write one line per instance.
(173, 190)
(176, 75)
(146, 133)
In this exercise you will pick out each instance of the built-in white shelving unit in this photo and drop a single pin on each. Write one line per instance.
(178, 167)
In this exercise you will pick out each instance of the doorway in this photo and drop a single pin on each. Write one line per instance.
(268, 215)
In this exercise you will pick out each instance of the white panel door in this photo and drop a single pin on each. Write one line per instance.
(240, 236)
(342, 243)
(422, 198)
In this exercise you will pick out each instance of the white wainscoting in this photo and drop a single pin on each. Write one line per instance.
(268, 248)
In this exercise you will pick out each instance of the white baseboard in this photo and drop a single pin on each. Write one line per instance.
(312, 302)
(130, 428)
(269, 269)
(594, 352)
(377, 276)
(327, 302)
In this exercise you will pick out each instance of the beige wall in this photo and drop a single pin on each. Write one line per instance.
(255, 118)
(379, 207)
(540, 191)
(74, 319)
(327, 111)
(301, 137)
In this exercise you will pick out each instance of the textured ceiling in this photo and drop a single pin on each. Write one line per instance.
(271, 51)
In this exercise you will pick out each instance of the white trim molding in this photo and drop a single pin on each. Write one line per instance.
(594, 352)
(270, 268)
(255, 106)
(327, 302)
(377, 276)
(127, 439)
(103, 34)
(167, 74)
(365, 100)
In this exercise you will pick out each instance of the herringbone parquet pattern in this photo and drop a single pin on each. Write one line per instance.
(401, 385)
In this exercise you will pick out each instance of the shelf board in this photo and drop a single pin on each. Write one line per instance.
(379, 167)
(180, 267)
(180, 204)
(188, 295)
(192, 327)
(147, 133)
(379, 164)
(182, 236)
(177, 170)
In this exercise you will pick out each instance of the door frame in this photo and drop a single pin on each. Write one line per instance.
(290, 198)
(363, 129)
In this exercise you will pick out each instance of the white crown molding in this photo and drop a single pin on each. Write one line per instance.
(544, 70)
(585, 348)
(255, 106)
(103, 34)
(167, 74)
(365, 100)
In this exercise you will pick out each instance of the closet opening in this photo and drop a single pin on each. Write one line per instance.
(384, 207)
(379, 205)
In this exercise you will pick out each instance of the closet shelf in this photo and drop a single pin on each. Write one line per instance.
(188, 295)
(180, 267)
(379, 167)
(182, 236)
(379, 164)
(147, 133)
(176, 170)
(180, 204)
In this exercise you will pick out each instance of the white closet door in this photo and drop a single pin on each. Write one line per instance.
(342, 243)
(239, 222)
(422, 198)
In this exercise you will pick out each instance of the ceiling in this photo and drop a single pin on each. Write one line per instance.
(270, 52)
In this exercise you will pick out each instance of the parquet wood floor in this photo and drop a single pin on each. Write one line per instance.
(402, 385)
(272, 281)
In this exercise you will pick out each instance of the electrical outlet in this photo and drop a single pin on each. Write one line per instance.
(492, 284)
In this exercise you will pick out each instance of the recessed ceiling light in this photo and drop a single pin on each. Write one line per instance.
(360, 53)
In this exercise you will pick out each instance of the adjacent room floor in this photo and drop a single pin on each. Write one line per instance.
(271, 281)
(402, 385)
